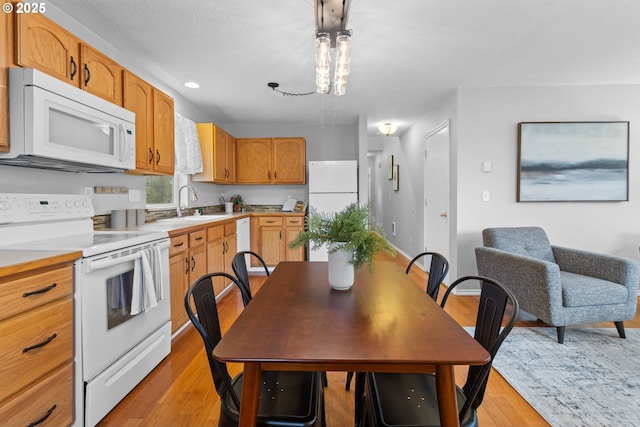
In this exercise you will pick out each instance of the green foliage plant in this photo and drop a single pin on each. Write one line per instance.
(349, 229)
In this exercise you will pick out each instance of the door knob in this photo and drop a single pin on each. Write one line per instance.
(443, 214)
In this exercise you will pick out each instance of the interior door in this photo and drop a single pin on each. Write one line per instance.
(436, 191)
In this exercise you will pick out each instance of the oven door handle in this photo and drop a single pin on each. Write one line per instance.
(110, 262)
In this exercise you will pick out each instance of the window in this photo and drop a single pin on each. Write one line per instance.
(160, 191)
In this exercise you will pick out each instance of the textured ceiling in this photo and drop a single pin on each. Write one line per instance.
(406, 55)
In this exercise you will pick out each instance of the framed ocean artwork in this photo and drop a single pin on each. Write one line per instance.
(573, 161)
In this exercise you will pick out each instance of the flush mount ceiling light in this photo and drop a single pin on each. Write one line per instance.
(192, 85)
(387, 128)
(331, 19)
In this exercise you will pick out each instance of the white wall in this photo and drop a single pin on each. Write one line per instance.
(406, 206)
(483, 127)
(487, 131)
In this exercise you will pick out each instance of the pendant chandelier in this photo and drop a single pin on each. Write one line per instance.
(331, 20)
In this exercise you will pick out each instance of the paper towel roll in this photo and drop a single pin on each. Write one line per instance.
(118, 219)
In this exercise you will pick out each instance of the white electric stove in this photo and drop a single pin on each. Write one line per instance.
(118, 339)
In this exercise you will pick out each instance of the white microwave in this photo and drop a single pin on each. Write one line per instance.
(54, 125)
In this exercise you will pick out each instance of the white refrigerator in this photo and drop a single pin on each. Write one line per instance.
(333, 185)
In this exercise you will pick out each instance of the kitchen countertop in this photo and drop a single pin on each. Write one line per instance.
(13, 262)
(179, 225)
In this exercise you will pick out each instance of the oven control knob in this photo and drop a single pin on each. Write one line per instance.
(4, 205)
(69, 203)
(77, 203)
(85, 203)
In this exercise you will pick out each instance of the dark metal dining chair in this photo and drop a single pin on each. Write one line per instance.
(286, 398)
(403, 399)
(438, 270)
(239, 266)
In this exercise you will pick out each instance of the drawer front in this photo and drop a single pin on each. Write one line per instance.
(179, 244)
(230, 229)
(24, 294)
(53, 394)
(197, 238)
(34, 343)
(270, 221)
(215, 233)
(294, 221)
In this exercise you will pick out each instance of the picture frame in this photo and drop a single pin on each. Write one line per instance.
(390, 166)
(573, 161)
(396, 178)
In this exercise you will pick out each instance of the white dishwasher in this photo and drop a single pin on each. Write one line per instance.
(243, 236)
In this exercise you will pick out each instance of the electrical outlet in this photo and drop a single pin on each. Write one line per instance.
(88, 191)
(134, 195)
(486, 196)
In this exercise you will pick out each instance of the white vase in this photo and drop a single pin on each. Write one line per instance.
(341, 274)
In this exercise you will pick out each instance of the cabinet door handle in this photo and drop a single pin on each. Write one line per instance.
(150, 155)
(39, 291)
(280, 234)
(41, 420)
(87, 75)
(198, 238)
(157, 157)
(186, 261)
(275, 174)
(42, 344)
(74, 68)
(270, 221)
(268, 174)
(193, 261)
(177, 245)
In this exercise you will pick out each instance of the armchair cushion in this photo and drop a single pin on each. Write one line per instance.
(581, 291)
(527, 241)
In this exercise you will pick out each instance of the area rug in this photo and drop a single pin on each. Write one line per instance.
(593, 379)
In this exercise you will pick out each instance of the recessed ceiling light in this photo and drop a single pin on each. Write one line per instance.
(192, 85)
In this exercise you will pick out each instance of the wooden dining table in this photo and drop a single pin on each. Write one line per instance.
(384, 323)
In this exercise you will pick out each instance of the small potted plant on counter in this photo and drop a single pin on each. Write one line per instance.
(237, 202)
(352, 241)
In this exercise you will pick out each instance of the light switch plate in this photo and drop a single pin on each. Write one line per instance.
(134, 195)
(486, 196)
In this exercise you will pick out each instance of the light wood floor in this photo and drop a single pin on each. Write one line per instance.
(180, 392)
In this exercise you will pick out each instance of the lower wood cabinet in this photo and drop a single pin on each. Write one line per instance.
(36, 346)
(221, 248)
(271, 234)
(187, 262)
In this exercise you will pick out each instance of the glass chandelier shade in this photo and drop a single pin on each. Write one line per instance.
(323, 62)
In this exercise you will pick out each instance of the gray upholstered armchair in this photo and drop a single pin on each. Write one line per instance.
(560, 286)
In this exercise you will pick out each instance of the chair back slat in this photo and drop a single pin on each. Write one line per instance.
(438, 270)
(239, 266)
(207, 323)
(495, 298)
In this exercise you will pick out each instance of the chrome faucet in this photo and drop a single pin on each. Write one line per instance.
(181, 205)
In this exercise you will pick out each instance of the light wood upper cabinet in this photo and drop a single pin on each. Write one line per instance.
(101, 76)
(289, 160)
(163, 133)
(218, 155)
(270, 160)
(154, 125)
(253, 161)
(138, 97)
(44, 45)
(6, 61)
